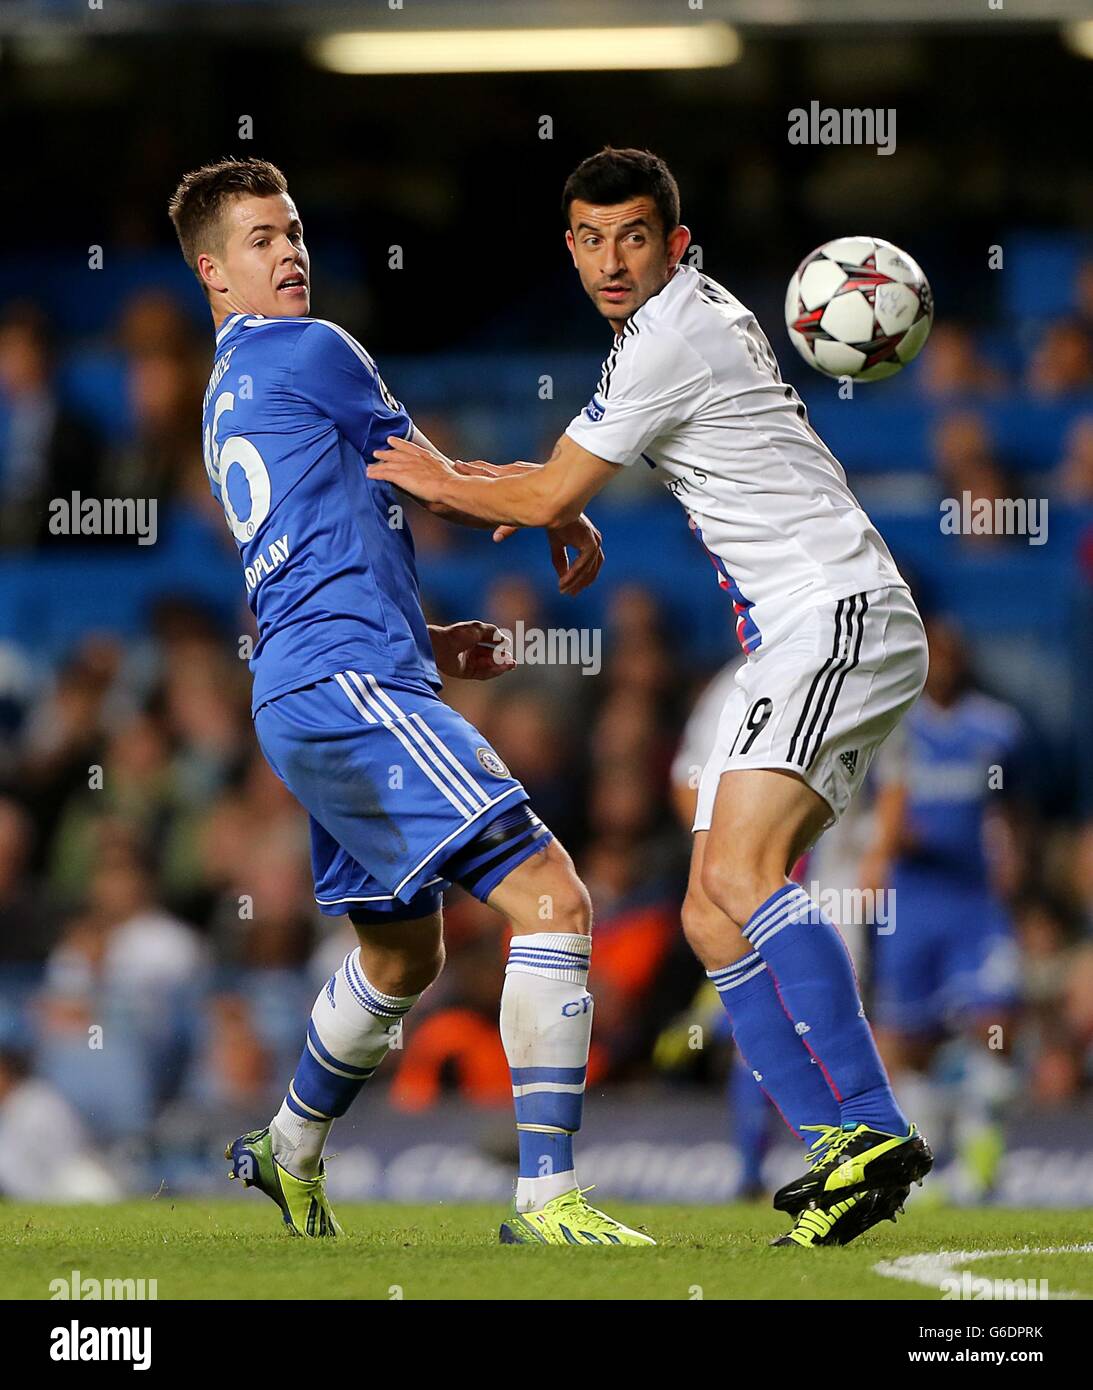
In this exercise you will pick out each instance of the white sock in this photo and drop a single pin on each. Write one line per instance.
(546, 1027)
(988, 1086)
(532, 1194)
(986, 1091)
(924, 1103)
(350, 1032)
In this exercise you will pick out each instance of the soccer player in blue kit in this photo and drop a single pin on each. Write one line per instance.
(404, 795)
(946, 789)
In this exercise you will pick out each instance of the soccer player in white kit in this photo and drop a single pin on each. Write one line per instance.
(836, 654)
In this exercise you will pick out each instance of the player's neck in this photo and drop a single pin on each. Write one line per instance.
(223, 312)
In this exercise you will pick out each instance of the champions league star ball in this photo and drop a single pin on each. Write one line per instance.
(859, 307)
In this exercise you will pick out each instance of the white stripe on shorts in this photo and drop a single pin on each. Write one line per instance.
(368, 711)
(416, 727)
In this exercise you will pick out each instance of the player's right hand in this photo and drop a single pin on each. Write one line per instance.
(471, 651)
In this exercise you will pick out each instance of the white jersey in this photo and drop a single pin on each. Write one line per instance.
(692, 386)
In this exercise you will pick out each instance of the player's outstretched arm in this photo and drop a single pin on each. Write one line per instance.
(889, 837)
(576, 546)
(554, 495)
(438, 508)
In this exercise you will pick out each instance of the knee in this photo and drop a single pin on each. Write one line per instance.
(563, 903)
(404, 973)
(707, 930)
(711, 934)
(428, 968)
(544, 894)
(568, 908)
(738, 887)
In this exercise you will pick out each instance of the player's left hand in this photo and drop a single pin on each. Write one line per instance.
(471, 651)
(417, 471)
(581, 536)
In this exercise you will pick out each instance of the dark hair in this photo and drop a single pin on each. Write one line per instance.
(198, 201)
(613, 176)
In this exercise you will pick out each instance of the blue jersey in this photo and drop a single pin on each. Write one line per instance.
(948, 756)
(292, 414)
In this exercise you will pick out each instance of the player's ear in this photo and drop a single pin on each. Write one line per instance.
(210, 274)
(572, 246)
(678, 241)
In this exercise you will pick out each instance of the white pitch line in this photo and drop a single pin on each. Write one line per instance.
(931, 1268)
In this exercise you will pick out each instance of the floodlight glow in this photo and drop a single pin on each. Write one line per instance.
(1079, 38)
(528, 50)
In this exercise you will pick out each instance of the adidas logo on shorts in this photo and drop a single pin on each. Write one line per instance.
(850, 761)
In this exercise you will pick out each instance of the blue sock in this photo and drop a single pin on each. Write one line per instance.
(770, 1048)
(814, 977)
(750, 1115)
(544, 1153)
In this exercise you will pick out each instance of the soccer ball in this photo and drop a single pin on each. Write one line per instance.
(859, 307)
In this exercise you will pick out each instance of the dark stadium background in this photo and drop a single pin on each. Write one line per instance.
(119, 908)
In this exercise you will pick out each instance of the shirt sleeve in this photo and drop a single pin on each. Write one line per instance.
(652, 381)
(332, 372)
(1015, 756)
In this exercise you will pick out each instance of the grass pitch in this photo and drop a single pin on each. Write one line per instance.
(239, 1250)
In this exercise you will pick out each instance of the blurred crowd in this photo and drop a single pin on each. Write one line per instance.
(50, 445)
(966, 454)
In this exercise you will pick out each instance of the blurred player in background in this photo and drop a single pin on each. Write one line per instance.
(46, 1154)
(404, 795)
(836, 655)
(949, 968)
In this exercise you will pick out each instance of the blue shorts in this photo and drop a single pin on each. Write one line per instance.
(952, 954)
(395, 783)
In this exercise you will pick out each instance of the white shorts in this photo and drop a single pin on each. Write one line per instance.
(822, 697)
